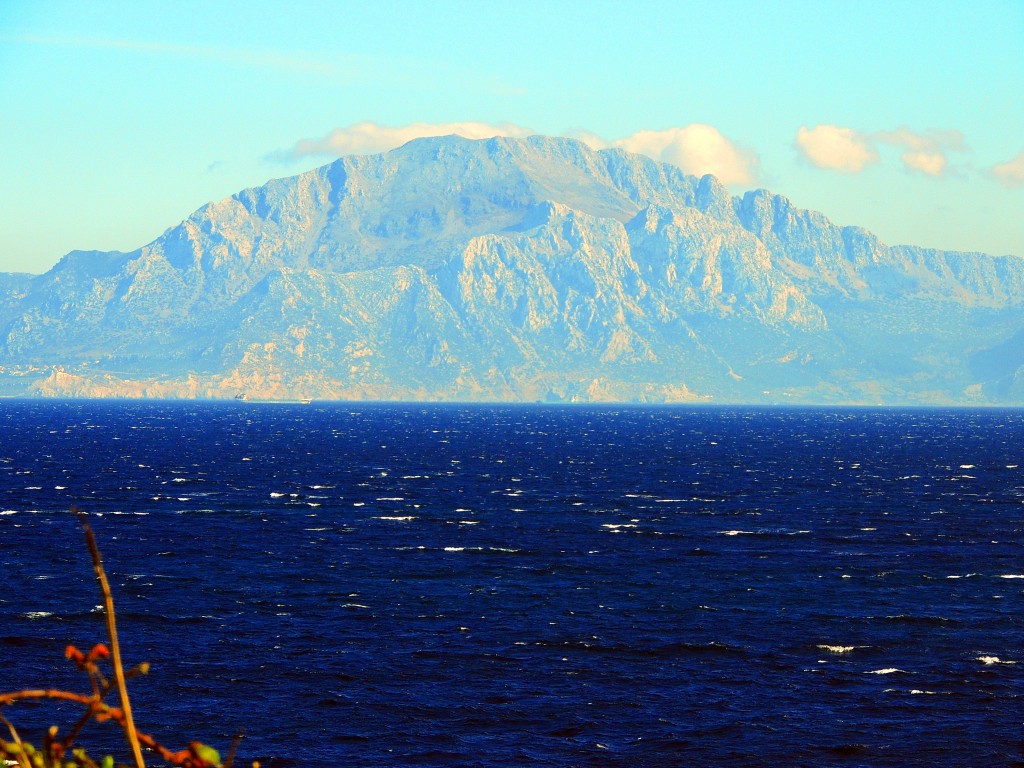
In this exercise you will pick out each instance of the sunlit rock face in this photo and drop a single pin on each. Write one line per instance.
(522, 270)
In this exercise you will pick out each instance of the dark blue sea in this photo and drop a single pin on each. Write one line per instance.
(440, 585)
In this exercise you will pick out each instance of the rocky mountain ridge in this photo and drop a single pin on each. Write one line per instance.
(522, 270)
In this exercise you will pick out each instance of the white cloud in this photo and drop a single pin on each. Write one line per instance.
(835, 148)
(697, 149)
(915, 140)
(851, 151)
(368, 137)
(924, 152)
(928, 163)
(1010, 173)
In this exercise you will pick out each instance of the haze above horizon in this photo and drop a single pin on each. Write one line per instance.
(906, 118)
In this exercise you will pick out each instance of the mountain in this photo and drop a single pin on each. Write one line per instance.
(522, 270)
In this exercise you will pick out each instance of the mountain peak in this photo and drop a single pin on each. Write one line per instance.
(523, 269)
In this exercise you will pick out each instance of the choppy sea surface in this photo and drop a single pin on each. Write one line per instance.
(440, 585)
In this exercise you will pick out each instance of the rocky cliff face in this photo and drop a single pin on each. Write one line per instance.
(517, 269)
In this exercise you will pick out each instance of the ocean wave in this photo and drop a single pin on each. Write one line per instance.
(767, 532)
(666, 650)
(905, 618)
(838, 648)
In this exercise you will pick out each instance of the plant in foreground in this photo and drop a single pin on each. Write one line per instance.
(63, 751)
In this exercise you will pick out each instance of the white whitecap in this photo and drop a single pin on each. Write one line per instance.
(1012, 576)
(454, 549)
(276, 494)
(396, 518)
(837, 648)
(993, 660)
(886, 671)
(37, 614)
(735, 533)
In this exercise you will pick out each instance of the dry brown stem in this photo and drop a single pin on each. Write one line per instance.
(115, 648)
(22, 760)
(48, 693)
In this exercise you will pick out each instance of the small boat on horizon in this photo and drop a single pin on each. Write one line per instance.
(244, 397)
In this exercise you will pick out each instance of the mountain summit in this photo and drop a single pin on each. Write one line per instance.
(519, 270)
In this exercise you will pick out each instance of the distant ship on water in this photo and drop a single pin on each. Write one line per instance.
(244, 397)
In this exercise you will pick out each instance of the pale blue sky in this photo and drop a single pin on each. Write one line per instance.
(119, 119)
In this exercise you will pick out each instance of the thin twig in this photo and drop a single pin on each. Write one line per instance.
(96, 708)
(22, 757)
(49, 740)
(76, 729)
(48, 693)
(234, 749)
(115, 648)
(83, 758)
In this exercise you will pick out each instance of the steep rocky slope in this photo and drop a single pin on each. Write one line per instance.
(516, 269)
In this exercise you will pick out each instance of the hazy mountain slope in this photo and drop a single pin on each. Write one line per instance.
(516, 269)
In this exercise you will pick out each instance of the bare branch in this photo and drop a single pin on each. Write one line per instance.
(115, 648)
